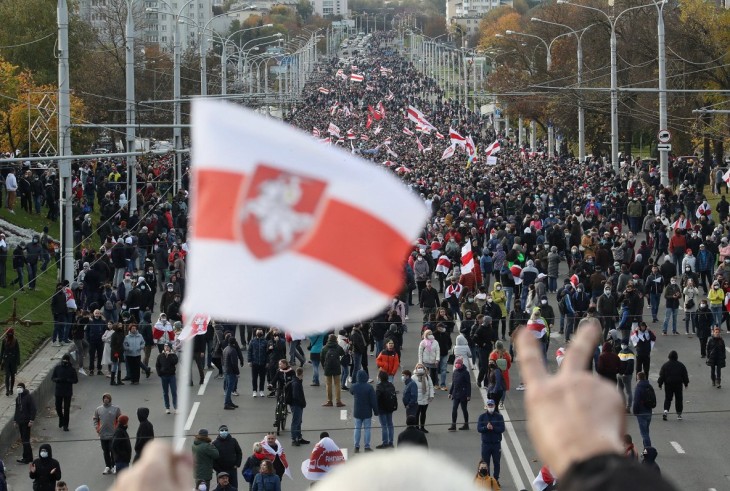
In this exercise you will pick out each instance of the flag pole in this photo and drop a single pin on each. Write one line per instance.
(183, 385)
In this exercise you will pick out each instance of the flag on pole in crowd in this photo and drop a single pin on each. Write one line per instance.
(449, 152)
(364, 137)
(197, 325)
(403, 170)
(324, 90)
(407, 131)
(420, 145)
(354, 77)
(389, 163)
(260, 209)
(334, 130)
(456, 138)
(315, 132)
(423, 129)
(390, 152)
(346, 111)
(375, 113)
(467, 258)
(417, 117)
(377, 130)
(493, 148)
(333, 109)
(340, 72)
(471, 149)
(353, 68)
(444, 264)
(340, 139)
(351, 134)
(545, 479)
(439, 136)
(326, 140)
(381, 110)
(389, 97)
(369, 121)
(387, 141)
(726, 178)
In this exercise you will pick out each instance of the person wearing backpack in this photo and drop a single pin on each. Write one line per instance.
(387, 405)
(331, 355)
(644, 403)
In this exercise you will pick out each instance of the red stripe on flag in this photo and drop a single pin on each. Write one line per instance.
(216, 193)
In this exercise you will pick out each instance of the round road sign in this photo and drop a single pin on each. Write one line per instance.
(664, 136)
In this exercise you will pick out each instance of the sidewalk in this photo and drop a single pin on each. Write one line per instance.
(36, 374)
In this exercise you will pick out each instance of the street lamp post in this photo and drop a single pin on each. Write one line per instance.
(224, 54)
(663, 154)
(612, 20)
(204, 50)
(130, 107)
(579, 55)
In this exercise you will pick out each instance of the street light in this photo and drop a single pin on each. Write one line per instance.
(581, 110)
(612, 20)
(224, 54)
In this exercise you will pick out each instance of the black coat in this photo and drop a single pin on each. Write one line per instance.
(673, 373)
(295, 394)
(145, 432)
(64, 376)
(229, 454)
(43, 480)
(412, 436)
(716, 352)
(121, 445)
(25, 408)
(166, 364)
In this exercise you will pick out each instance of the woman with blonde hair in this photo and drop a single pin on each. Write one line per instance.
(424, 385)
(429, 354)
(253, 464)
(266, 480)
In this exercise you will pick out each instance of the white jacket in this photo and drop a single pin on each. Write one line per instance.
(429, 357)
(461, 349)
(425, 390)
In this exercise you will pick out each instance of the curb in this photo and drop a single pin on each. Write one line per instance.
(36, 374)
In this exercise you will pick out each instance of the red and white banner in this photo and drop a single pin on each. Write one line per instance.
(315, 132)
(704, 210)
(439, 136)
(326, 140)
(324, 91)
(390, 152)
(493, 148)
(417, 117)
(198, 325)
(354, 77)
(364, 137)
(389, 163)
(353, 68)
(443, 265)
(544, 479)
(377, 130)
(467, 258)
(726, 177)
(381, 110)
(537, 327)
(403, 170)
(263, 210)
(340, 72)
(407, 131)
(471, 149)
(334, 130)
(449, 152)
(456, 138)
(389, 97)
(351, 134)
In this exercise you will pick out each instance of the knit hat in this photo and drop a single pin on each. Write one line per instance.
(123, 420)
(202, 432)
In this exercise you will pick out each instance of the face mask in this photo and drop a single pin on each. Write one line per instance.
(687, 270)
(430, 337)
(223, 434)
(202, 487)
(703, 305)
(420, 371)
(169, 289)
(44, 454)
(19, 390)
(420, 259)
(483, 472)
(607, 292)
(470, 299)
(624, 346)
(579, 290)
(403, 378)
(499, 288)
(489, 300)
(544, 302)
(673, 282)
(490, 410)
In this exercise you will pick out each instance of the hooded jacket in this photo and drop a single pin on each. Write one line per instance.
(64, 376)
(145, 329)
(145, 432)
(25, 408)
(366, 404)
(133, 344)
(461, 384)
(609, 363)
(204, 456)
(105, 420)
(43, 480)
(493, 435)
(230, 454)
(121, 445)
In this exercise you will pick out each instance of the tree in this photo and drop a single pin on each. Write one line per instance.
(305, 10)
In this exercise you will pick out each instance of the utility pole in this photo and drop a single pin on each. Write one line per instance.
(663, 154)
(64, 146)
(131, 109)
(176, 130)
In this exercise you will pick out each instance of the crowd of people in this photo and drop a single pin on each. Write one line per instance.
(625, 241)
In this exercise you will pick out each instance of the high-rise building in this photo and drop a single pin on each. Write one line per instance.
(472, 8)
(327, 8)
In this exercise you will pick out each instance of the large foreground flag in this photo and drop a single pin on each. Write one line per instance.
(262, 211)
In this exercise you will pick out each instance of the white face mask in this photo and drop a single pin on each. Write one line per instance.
(19, 390)
(490, 410)
(202, 487)
(403, 378)
(420, 371)
(430, 337)
(44, 454)
(544, 302)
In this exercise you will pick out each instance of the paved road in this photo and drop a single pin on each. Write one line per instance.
(690, 451)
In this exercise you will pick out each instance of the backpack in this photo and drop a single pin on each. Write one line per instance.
(108, 305)
(501, 363)
(332, 359)
(649, 397)
(390, 401)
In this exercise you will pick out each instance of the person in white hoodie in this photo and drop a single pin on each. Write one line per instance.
(462, 350)
(11, 186)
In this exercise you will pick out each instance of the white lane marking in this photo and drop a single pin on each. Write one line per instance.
(727, 349)
(191, 416)
(511, 465)
(343, 414)
(518, 446)
(208, 376)
(713, 489)
(677, 447)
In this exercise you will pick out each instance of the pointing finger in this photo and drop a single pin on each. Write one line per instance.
(532, 365)
(582, 346)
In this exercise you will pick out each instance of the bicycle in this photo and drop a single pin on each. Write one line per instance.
(281, 411)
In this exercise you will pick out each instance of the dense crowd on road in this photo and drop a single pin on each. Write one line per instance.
(626, 242)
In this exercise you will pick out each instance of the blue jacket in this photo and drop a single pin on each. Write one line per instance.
(486, 264)
(704, 260)
(461, 384)
(495, 434)
(266, 482)
(317, 343)
(366, 404)
(95, 330)
(410, 393)
(639, 407)
(257, 353)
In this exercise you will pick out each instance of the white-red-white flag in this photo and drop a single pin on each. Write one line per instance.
(407, 131)
(449, 152)
(439, 136)
(377, 130)
(315, 132)
(444, 264)
(324, 90)
(351, 134)
(389, 97)
(334, 130)
(545, 479)
(198, 325)
(417, 117)
(354, 77)
(353, 68)
(389, 163)
(420, 145)
(456, 138)
(726, 178)
(493, 148)
(263, 210)
(467, 258)
(381, 110)
(364, 137)
(390, 152)
(471, 149)
(326, 140)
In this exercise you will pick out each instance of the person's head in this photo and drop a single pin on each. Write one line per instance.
(259, 333)
(428, 283)
(283, 364)
(491, 406)
(406, 375)
(267, 467)
(62, 486)
(223, 431)
(427, 334)
(223, 478)
(271, 438)
(257, 448)
(331, 338)
(411, 420)
(673, 355)
(716, 333)
(482, 468)
(640, 375)
(66, 359)
(123, 420)
(133, 328)
(642, 326)
(299, 372)
(106, 399)
(390, 345)
(458, 363)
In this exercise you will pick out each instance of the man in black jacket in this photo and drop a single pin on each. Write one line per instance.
(60, 313)
(484, 335)
(25, 412)
(64, 376)
(229, 361)
(673, 374)
(428, 301)
(297, 402)
(121, 446)
(230, 455)
(145, 432)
